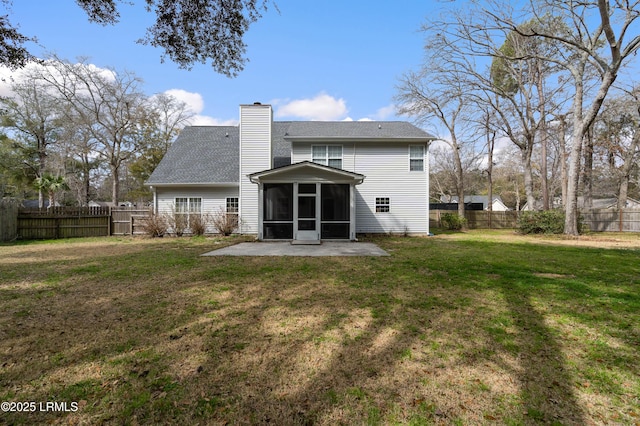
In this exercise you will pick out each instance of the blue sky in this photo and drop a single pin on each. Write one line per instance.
(324, 60)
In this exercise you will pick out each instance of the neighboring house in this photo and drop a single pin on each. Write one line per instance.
(478, 200)
(299, 180)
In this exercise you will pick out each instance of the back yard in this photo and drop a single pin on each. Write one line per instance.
(470, 328)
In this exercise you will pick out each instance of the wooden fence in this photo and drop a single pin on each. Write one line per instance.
(128, 220)
(604, 220)
(479, 219)
(8, 220)
(597, 220)
(70, 222)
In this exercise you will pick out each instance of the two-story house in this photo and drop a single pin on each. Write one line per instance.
(300, 180)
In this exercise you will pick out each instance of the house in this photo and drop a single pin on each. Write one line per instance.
(299, 180)
(474, 202)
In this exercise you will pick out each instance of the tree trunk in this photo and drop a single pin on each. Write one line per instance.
(115, 184)
(544, 180)
(564, 176)
(587, 171)
(528, 176)
(626, 170)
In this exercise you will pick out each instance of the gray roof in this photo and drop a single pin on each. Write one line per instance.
(210, 154)
(355, 130)
(200, 154)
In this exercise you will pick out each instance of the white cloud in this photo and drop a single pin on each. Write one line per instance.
(194, 101)
(203, 120)
(385, 112)
(321, 108)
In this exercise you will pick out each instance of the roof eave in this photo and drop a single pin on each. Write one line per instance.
(192, 184)
(416, 139)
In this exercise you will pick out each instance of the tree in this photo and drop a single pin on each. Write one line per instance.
(188, 31)
(34, 115)
(13, 54)
(617, 134)
(593, 37)
(586, 38)
(51, 184)
(167, 117)
(108, 105)
(437, 93)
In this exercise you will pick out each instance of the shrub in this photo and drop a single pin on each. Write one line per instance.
(453, 221)
(155, 225)
(198, 223)
(225, 223)
(542, 222)
(177, 222)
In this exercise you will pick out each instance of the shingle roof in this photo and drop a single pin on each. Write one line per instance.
(355, 130)
(210, 154)
(200, 154)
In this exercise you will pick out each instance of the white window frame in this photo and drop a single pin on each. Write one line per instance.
(232, 205)
(188, 206)
(383, 204)
(413, 157)
(327, 156)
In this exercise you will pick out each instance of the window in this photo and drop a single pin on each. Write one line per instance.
(186, 208)
(416, 158)
(232, 205)
(382, 204)
(327, 155)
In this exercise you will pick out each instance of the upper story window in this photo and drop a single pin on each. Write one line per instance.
(416, 158)
(327, 155)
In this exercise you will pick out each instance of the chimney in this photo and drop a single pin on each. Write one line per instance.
(255, 156)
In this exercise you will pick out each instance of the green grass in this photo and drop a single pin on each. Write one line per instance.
(463, 328)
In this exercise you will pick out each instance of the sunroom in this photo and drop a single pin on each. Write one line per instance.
(306, 202)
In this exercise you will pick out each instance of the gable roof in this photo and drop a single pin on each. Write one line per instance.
(209, 155)
(200, 155)
(309, 167)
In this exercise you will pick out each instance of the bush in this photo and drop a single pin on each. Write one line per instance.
(155, 225)
(177, 222)
(542, 222)
(225, 223)
(198, 223)
(453, 221)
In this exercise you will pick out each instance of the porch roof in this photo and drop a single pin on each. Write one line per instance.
(310, 168)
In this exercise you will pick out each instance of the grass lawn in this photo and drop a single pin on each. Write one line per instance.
(468, 328)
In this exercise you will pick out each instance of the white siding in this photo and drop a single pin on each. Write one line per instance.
(213, 199)
(255, 156)
(386, 170)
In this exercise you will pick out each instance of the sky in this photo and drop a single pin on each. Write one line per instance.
(322, 60)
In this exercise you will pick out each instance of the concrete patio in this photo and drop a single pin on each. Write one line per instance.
(285, 248)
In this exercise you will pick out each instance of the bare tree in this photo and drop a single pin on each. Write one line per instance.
(437, 92)
(594, 37)
(108, 105)
(34, 115)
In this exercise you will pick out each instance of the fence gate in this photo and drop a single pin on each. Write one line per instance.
(127, 220)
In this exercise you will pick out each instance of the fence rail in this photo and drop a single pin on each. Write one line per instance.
(67, 222)
(70, 222)
(597, 220)
(63, 222)
(603, 220)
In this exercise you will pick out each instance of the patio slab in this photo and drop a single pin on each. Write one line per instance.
(285, 248)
